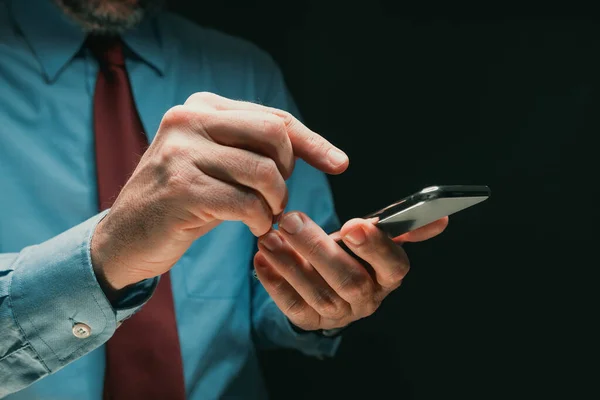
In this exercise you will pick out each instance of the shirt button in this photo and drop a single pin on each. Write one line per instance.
(81, 330)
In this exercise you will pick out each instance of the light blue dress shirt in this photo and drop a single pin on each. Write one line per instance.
(48, 211)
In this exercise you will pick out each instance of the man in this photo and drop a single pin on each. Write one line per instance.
(84, 240)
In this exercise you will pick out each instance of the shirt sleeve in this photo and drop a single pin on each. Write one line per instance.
(47, 291)
(310, 193)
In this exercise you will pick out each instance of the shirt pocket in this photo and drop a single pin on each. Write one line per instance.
(217, 265)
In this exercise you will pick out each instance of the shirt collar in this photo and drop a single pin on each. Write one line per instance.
(55, 39)
(146, 42)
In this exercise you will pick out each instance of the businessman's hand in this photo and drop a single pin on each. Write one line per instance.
(317, 284)
(213, 159)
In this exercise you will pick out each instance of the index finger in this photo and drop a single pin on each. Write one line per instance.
(306, 144)
(312, 147)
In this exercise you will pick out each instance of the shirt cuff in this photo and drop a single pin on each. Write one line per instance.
(57, 301)
(134, 298)
(309, 343)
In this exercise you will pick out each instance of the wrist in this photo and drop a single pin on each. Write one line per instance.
(105, 266)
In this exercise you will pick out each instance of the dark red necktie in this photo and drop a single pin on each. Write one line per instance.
(143, 358)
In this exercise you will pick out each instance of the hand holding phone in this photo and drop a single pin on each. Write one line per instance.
(314, 282)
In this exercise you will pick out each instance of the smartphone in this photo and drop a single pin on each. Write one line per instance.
(426, 206)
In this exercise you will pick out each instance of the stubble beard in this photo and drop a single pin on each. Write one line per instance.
(109, 17)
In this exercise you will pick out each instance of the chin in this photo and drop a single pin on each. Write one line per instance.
(109, 16)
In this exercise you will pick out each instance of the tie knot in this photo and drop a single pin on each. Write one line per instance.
(108, 50)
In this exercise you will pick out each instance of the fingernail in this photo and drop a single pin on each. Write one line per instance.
(272, 241)
(356, 237)
(337, 157)
(291, 223)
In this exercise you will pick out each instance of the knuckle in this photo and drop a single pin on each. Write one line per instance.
(320, 144)
(169, 166)
(266, 172)
(289, 168)
(398, 273)
(292, 265)
(173, 150)
(317, 144)
(252, 204)
(398, 270)
(370, 307)
(330, 308)
(201, 97)
(391, 285)
(358, 287)
(177, 116)
(295, 309)
(273, 127)
(317, 248)
(287, 118)
(279, 286)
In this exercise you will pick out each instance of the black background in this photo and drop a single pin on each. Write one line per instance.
(501, 305)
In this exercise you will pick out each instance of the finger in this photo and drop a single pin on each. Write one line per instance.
(257, 131)
(302, 277)
(213, 101)
(425, 232)
(387, 258)
(306, 144)
(285, 297)
(312, 147)
(243, 167)
(341, 271)
(212, 199)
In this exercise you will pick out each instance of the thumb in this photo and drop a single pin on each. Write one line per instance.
(425, 232)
